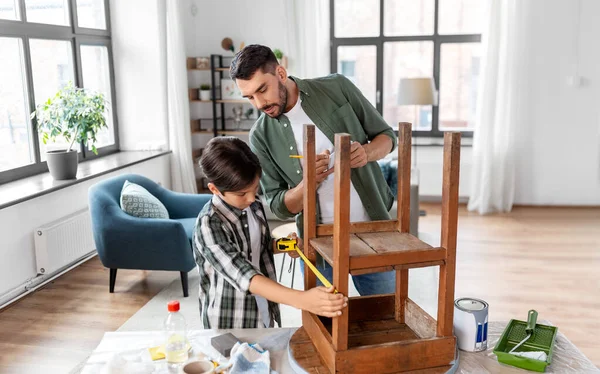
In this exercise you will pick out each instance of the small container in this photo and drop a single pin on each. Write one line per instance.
(471, 324)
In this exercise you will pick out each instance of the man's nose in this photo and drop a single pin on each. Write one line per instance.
(259, 103)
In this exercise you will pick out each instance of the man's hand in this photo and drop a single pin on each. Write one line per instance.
(300, 243)
(323, 302)
(322, 162)
(358, 155)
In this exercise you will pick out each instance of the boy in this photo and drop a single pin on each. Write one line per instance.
(234, 250)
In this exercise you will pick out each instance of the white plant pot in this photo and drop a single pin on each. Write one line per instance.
(204, 95)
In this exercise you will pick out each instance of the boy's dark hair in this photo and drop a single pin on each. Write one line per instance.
(253, 57)
(229, 164)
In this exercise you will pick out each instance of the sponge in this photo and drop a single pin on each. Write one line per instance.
(224, 343)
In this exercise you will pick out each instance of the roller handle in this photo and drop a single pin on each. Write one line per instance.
(531, 321)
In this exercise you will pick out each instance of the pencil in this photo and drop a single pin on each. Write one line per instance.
(295, 156)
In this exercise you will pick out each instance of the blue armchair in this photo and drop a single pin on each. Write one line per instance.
(127, 242)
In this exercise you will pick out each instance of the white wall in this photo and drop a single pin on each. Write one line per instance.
(559, 154)
(139, 53)
(18, 222)
(251, 22)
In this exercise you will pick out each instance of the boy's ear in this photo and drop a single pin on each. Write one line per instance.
(212, 188)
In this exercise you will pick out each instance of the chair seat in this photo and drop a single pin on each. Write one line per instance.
(379, 251)
(188, 225)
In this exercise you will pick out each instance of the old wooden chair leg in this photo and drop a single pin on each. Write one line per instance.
(310, 202)
(403, 208)
(341, 235)
(449, 231)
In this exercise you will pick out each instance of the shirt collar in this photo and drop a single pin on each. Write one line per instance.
(227, 209)
(302, 86)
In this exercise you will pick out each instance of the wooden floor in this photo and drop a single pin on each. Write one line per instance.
(58, 326)
(542, 258)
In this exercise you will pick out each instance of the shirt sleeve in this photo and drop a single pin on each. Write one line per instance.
(372, 122)
(224, 256)
(273, 185)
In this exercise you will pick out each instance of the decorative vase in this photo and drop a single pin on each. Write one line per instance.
(62, 164)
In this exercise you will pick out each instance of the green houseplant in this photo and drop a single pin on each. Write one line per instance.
(75, 115)
(204, 92)
(281, 58)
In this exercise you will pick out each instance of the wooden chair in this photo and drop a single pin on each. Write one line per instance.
(382, 333)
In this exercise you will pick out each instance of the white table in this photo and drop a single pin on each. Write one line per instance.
(134, 346)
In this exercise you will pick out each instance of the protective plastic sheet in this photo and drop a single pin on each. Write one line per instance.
(566, 358)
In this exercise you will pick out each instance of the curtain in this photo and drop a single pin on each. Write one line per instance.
(308, 37)
(180, 142)
(500, 109)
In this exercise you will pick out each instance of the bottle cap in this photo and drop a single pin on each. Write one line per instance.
(173, 306)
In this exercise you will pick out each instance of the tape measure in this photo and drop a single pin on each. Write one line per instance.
(288, 245)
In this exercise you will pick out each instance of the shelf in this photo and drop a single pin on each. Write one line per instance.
(221, 69)
(190, 63)
(233, 132)
(240, 101)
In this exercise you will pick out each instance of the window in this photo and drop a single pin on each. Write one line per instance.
(376, 43)
(45, 45)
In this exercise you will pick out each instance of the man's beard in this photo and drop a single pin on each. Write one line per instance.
(283, 96)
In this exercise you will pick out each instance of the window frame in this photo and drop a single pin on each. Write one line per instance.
(77, 36)
(379, 41)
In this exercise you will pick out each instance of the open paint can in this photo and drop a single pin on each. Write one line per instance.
(471, 324)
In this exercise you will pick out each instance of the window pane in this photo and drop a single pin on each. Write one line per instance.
(459, 75)
(359, 64)
(405, 60)
(90, 14)
(96, 76)
(9, 9)
(53, 12)
(52, 66)
(408, 17)
(460, 16)
(356, 18)
(15, 136)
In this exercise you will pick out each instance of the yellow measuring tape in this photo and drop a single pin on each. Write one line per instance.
(288, 245)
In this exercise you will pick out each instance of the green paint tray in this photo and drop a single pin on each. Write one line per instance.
(542, 340)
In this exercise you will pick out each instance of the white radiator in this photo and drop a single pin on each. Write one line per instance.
(63, 242)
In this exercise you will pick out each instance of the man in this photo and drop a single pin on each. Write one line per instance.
(334, 105)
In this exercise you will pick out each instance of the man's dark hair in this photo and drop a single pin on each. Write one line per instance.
(229, 164)
(253, 57)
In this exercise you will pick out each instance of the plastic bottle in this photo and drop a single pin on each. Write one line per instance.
(176, 351)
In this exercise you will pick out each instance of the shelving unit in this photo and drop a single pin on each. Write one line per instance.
(217, 124)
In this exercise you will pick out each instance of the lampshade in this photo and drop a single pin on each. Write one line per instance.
(417, 91)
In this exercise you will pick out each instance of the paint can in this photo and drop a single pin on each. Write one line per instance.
(471, 324)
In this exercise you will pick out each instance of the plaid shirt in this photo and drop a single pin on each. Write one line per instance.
(224, 258)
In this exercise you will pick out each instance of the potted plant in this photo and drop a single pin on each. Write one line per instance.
(281, 59)
(204, 92)
(76, 115)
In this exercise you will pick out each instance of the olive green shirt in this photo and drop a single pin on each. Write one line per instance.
(335, 105)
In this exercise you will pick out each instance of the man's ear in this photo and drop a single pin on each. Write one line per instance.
(212, 188)
(281, 73)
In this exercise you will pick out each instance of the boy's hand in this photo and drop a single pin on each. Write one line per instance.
(323, 302)
(300, 244)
